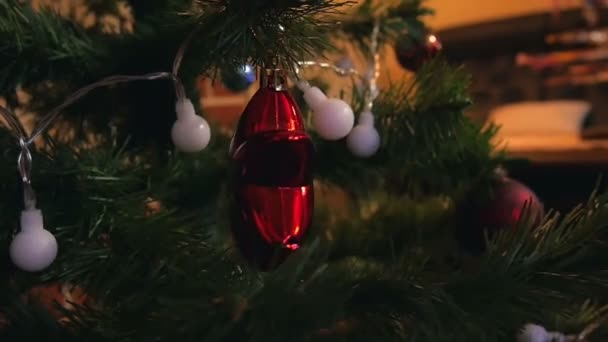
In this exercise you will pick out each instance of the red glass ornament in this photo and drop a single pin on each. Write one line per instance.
(412, 53)
(502, 210)
(273, 195)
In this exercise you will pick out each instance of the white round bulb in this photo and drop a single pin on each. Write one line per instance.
(534, 333)
(34, 248)
(191, 134)
(363, 141)
(333, 119)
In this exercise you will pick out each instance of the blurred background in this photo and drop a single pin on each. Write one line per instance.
(539, 71)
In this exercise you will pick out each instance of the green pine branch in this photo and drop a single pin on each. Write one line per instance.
(395, 19)
(428, 147)
(28, 37)
(236, 32)
(145, 232)
(166, 275)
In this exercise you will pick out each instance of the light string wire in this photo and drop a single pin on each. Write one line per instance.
(370, 80)
(24, 160)
(374, 71)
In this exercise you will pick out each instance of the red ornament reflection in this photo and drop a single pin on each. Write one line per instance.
(273, 195)
(268, 111)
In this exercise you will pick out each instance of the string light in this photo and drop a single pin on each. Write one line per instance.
(363, 139)
(34, 248)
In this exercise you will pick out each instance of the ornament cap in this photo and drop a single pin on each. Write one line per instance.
(31, 220)
(274, 76)
(267, 111)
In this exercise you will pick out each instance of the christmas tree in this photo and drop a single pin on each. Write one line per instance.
(401, 247)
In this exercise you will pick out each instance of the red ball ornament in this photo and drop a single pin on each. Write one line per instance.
(502, 210)
(413, 53)
(273, 158)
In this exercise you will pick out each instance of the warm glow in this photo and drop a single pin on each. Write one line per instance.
(451, 13)
(292, 246)
(432, 39)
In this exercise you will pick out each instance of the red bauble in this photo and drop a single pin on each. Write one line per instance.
(273, 196)
(502, 210)
(413, 53)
